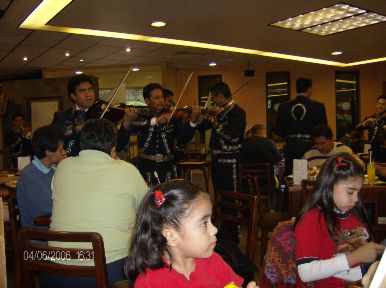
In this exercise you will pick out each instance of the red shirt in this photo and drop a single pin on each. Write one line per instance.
(313, 242)
(210, 272)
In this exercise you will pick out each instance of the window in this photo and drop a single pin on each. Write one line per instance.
(277, 91)
(347, 108)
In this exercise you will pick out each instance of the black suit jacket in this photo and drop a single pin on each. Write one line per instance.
(299, 116)
(67, 120)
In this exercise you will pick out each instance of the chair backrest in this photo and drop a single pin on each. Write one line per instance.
(195, 156)
(263, 173)
(15, 224)
(37, 256)
(246, 208)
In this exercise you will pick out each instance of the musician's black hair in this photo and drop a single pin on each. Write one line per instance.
(18, 114)
(381, 97)
(149, 88)
(77, 80)
(222, 88)
(302, 85)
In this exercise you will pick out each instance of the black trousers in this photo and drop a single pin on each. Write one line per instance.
(148, 166)
(225, 176)
(294, 149)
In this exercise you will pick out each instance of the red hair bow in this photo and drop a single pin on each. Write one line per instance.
(159, 198)
(340, 162)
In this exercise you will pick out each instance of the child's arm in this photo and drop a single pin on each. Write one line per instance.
(367, 253)
(322, 269)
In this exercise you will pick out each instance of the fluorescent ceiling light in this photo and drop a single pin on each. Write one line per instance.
(212, 64)
(67, 54)
(78, 72)
(47, 10)
(128, 49)
(81, 60)
(337, 18)
(25, 58)
(336, 53)
(135, 69)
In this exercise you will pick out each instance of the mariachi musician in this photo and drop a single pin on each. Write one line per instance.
(81, 91)
(376, 124)
(228, 128)
(157, 134)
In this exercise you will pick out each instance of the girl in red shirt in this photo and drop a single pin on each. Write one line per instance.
(174, 242)
(332, 231)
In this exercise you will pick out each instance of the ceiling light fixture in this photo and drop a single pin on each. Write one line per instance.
(135, 69)
(158, 24)
(81, 60)
(212, 64)
(67, 54)
(47, 10)
(128, 49)
(25, 58)
(78, 72)
(333, 19)
(336, 53)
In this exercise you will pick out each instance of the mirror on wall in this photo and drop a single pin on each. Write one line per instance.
(347, 95)
(277, 91)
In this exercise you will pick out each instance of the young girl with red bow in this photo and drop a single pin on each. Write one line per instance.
(332, 231)
(174, 241)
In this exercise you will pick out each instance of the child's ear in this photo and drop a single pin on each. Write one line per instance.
(170, 235)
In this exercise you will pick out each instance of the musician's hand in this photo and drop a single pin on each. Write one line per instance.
(163, 118)
(196, 112)
(368, 121)
(130, 115)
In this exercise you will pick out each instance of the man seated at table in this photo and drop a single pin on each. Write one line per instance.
(96, 192)
(325, 147)
(33, 188)
(257, 148)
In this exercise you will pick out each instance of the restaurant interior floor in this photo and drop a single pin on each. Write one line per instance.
(11, 266)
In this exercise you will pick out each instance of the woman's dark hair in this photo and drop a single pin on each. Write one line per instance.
(381, 97)
(222, 88)
(98, 134)
(337, 168)
(77, 80)
(148, 244)
(46, 138)
(150, 87)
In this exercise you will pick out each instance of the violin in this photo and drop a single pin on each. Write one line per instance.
(115, 112)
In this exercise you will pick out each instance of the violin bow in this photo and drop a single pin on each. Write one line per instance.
(179, 98)
(242, 86)
(116, 92)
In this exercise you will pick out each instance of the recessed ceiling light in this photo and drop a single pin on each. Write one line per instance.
(67, 54)
(335, 53)
(78, 72)
(333, 19)
(128, 49)
(25, 58)
(81, 60)
(135, 69)
(212, 64)
(158, 24)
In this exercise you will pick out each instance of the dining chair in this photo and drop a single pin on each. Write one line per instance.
(241, 209)
(15, 225)
(37, 255)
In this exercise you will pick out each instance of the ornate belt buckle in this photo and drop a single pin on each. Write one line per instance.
(158, 158)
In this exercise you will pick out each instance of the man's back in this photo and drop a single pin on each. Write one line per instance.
(299, 116)
(258, 150)
(94, 192)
